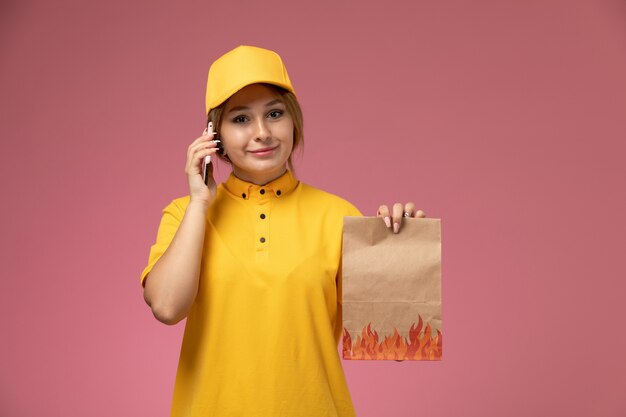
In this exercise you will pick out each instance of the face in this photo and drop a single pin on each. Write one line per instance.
(257, 133)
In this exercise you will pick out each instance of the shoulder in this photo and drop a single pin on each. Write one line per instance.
(177, 205)
(324, 200)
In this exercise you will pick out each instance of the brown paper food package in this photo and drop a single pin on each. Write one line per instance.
(391, 285)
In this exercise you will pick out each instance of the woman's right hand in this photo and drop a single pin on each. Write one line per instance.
(199, 148)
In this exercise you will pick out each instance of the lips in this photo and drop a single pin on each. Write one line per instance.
(263, 150)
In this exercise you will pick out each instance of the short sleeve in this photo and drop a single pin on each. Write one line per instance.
(170, 221)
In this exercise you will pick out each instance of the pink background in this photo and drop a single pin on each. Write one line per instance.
(504, 119)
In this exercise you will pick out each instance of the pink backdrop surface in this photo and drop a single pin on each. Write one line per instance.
(504, 119)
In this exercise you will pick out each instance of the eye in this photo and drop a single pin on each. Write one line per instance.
(239, 119)
(275, 114)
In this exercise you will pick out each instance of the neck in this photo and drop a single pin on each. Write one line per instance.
(259, 178)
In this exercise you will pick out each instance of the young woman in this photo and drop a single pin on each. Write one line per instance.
(254, 263)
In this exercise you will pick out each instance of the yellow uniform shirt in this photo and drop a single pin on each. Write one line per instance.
(261, 337)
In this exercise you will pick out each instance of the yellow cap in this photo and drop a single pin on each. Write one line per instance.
(243, 66)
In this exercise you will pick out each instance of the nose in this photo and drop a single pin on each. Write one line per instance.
(262, 132)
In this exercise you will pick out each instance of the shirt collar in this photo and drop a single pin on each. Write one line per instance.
(280, 187)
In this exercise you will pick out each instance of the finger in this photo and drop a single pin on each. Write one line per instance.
(209, 144)
(396, 216)
(420, 213)
(193, 150)
(409, 209)
(200, 154)
(195, 162)
(383, 211)
(198, 141)
(206, 134)
(203, 145)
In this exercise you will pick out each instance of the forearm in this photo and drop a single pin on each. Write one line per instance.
(172, 285)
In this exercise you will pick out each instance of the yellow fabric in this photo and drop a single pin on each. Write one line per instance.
(243, 66)
(261, 338)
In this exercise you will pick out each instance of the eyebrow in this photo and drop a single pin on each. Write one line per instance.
(268, 104)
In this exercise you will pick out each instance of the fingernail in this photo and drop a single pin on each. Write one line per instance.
(396, 227)
(387, 221)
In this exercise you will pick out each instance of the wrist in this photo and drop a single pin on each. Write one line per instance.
(195, 204)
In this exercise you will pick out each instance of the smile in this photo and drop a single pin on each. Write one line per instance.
(263, 152)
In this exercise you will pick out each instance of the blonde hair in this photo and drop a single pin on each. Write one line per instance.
(293, 107)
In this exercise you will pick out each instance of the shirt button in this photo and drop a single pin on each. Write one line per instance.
(262, 191)
(262, 215)
(262, 240)
(243, 195)
(278, 192)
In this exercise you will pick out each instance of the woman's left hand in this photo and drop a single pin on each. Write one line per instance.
(393, 220)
